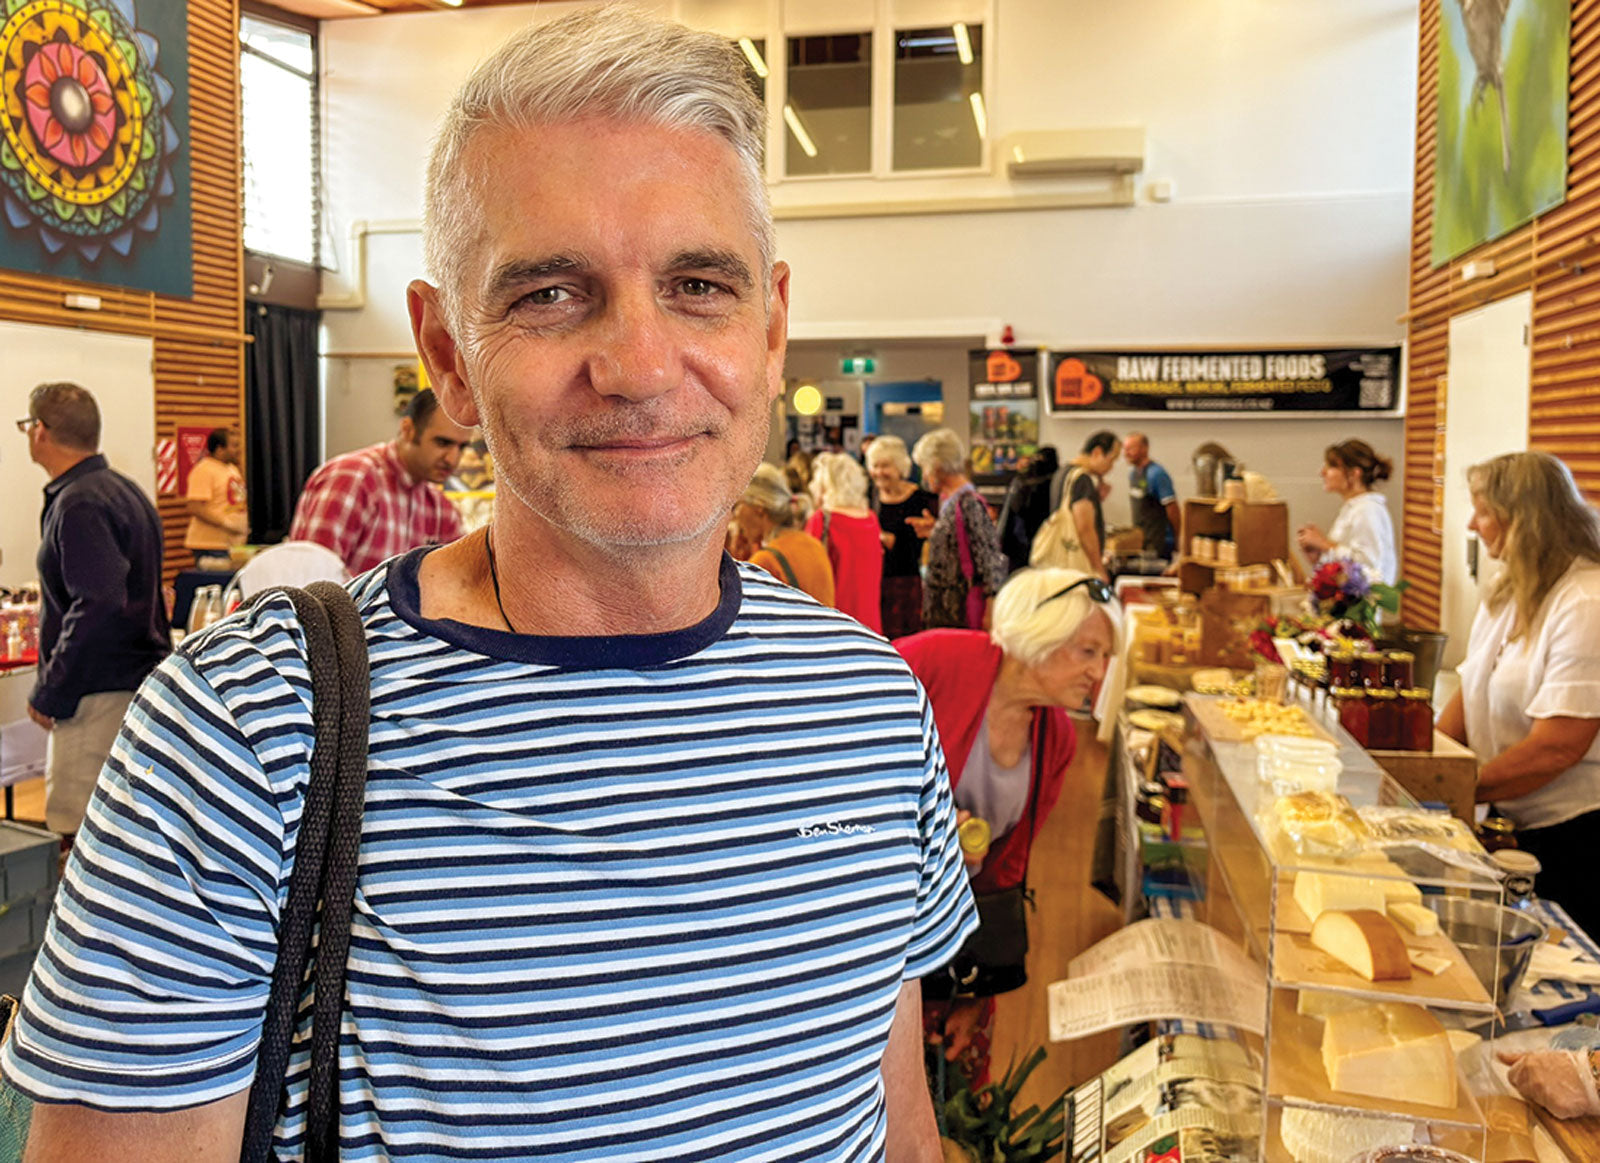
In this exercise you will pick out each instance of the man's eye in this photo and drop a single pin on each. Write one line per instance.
(546, 296)
(699, 287)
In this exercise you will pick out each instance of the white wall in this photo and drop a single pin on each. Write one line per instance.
(1286, 128)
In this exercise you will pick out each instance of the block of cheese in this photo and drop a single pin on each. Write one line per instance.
(1390, 1050)
(1420, 919)
(1432, 964)
(1463, 1040)
(1317, 1003)
(1314, 1136)
(1366, 941)
(1317, 892)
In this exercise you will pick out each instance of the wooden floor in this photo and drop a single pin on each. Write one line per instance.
(1070, 917)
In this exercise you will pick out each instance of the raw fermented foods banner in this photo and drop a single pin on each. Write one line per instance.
(1361, 380)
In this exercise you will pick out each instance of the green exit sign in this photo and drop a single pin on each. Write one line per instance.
(858, 365)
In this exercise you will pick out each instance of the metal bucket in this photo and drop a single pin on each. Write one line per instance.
(1428, 647)
(1473, 925)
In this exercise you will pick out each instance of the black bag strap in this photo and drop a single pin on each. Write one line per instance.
(1041, 720)
(783, 564)
(327, 849)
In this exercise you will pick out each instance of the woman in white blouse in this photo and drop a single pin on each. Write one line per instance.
(1362, 532)
(1529, 703)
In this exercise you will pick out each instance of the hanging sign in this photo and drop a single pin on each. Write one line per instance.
(1004, 406)
(1356, 380)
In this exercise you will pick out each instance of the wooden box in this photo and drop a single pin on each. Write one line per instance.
(1260, 530)
(1448, 774)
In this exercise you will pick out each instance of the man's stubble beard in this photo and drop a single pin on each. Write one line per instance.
(559, 503)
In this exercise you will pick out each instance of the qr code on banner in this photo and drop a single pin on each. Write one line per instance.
(1377, 394)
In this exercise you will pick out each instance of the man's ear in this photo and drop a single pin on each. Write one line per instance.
(441, 354)
(408, 431)
(777, 329)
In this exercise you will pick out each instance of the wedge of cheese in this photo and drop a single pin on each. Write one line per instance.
(1366, 941)
(1317, 1003)
(1390, 1050)
(1420, 919)
(1313, 1136)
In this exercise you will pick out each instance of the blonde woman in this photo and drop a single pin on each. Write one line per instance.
(899, 499)
(765, 519)
(1529, 703)
(849, 531)
(965, 564)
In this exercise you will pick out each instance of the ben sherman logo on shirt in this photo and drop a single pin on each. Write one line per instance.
(831, 828)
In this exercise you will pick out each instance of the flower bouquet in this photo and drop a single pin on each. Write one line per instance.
(1342, 590)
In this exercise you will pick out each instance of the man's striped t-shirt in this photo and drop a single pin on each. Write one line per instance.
(636, 898)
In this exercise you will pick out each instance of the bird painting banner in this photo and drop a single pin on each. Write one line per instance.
(94, 149)
(1501, 145)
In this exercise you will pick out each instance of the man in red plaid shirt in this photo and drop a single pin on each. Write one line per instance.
(373, 503)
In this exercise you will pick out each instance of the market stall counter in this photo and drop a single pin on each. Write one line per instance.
(1390, 957)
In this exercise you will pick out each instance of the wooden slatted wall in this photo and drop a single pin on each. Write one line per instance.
(199, 366)
(1557, 256)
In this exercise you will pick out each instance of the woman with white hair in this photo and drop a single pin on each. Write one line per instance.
(966, 565)
(766, 518)
(898, 499)
(849, 532)
(1000, 702)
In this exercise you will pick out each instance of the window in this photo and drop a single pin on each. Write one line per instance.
(278, 78)
(828, 116)
(940, 121)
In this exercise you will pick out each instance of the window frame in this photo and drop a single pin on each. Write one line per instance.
(268, 14)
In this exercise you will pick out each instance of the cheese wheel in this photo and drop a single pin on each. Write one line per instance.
(1366, 941)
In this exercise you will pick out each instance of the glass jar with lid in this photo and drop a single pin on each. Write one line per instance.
(1398, 668)
(1342, 669)
(1369, 669)
(1383, 719)
(1350, 704)
(1416, 720)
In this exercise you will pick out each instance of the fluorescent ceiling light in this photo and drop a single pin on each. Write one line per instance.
(792, 120)
(751, 54)
(963, 44)
(979, 117)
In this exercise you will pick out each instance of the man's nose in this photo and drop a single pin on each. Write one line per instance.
(635, 356)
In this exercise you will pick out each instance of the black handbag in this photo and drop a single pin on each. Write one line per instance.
(994, 959)
(326, 854)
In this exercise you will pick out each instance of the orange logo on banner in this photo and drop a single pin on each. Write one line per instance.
(1002, 369)
(1075, 387)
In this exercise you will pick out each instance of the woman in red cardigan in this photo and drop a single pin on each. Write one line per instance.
(1000, 702)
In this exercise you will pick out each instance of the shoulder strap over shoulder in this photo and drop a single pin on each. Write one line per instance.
(326, 850)
(783, 564)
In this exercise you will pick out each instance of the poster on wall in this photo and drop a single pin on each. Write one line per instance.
(1003, 426)
(1363, 381)
(94, 142)
(1500, 155)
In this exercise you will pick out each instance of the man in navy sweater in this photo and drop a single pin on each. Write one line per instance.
(103, 626)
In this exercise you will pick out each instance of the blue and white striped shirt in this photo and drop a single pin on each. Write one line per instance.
(637, 898)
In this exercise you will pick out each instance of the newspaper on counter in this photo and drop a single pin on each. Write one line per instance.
(1163, 968)
(1181, 1098)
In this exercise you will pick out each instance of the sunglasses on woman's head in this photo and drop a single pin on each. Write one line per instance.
(1098, 590)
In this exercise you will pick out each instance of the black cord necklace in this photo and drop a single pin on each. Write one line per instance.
(494, 578)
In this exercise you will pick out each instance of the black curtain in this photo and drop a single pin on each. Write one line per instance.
(280, 401)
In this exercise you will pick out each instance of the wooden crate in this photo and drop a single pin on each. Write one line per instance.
(1447, 774)
(1260, 529)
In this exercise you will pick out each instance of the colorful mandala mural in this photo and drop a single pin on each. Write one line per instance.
(88, 139)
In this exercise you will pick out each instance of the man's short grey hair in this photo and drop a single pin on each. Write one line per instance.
(942, 450)
(613, 61)
(1028, 624)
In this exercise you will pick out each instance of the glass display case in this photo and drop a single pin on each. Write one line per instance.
(1380, 929)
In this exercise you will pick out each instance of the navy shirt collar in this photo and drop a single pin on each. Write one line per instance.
(83, 468)
(607, 652)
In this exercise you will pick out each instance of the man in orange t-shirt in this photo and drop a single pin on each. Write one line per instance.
(217, 515)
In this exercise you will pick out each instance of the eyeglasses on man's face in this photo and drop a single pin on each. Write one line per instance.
(1098, 590)
(25, 425)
